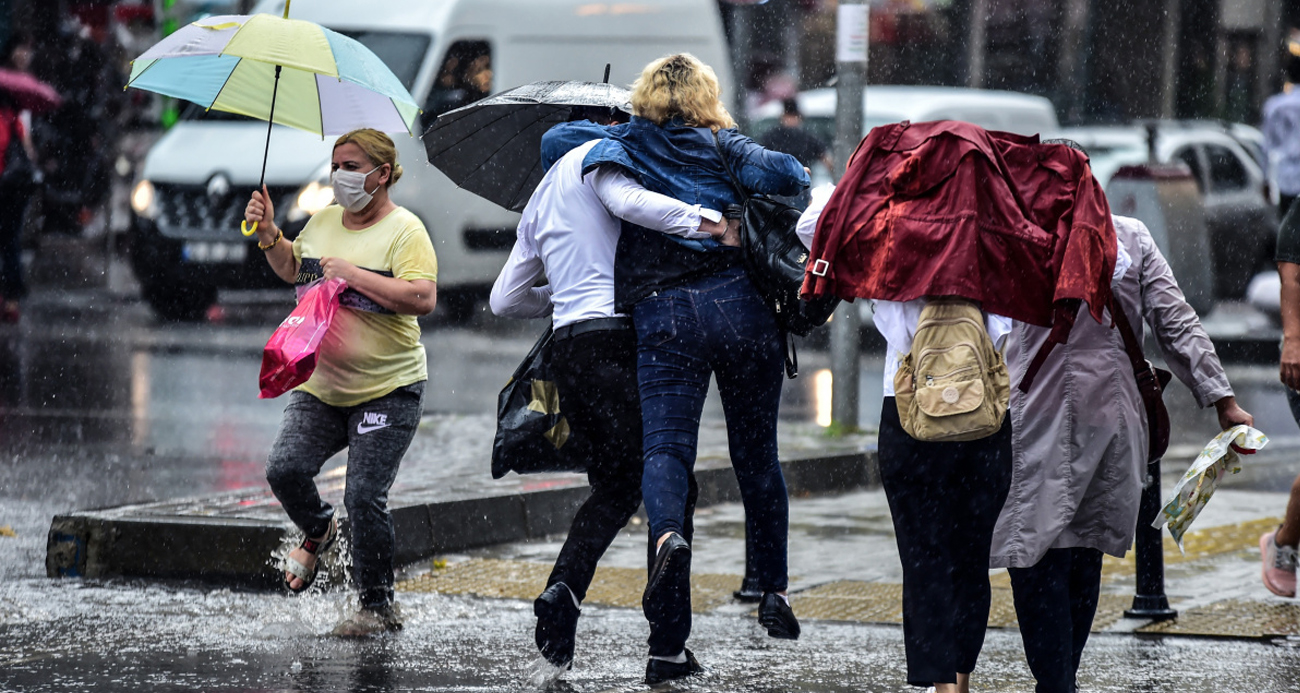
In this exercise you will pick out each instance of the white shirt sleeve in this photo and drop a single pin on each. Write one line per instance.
(808, 220)
(514, 294)
(628, 200)
(1123, 261)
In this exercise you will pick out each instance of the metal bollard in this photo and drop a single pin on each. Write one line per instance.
(1149, 601)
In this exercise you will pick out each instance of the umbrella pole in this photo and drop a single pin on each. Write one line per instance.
(270, 121)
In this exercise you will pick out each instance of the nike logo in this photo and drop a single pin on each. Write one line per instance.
(371, 421)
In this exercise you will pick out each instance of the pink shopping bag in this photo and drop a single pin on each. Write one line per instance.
(290, 354)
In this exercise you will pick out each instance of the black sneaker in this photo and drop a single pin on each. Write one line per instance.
(749, 591)
(777, 617)
(658, 671)
(672, 568)
(557, 622)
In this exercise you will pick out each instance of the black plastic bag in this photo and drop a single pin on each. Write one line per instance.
(532, 434)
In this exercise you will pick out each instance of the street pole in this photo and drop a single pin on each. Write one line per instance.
(979, 19)
(1169, 67)
(851, 63)
(742, 53)
(1149, 600)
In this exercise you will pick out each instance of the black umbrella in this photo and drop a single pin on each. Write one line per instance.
(492, 147)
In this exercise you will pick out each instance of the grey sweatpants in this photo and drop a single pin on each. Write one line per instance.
(377, 434)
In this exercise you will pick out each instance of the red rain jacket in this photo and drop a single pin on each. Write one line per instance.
(949, 209)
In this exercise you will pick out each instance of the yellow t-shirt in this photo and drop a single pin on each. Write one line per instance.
(369, 351)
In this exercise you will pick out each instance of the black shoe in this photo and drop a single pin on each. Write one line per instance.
(749, 591)
(777, 617)
(672, 568)
(557, 622)
(658, 671)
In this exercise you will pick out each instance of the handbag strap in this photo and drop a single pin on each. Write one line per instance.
(1131, 345)
(735, 182)
(791, 353)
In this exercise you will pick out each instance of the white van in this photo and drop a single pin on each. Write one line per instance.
(195, 181)
(1007, 111)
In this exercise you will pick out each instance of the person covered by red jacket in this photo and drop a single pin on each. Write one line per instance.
(950, 209)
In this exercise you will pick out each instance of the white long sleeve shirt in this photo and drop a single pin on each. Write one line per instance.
(896, 320)
(569, 232)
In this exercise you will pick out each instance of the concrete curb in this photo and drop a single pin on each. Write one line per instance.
(156, 541)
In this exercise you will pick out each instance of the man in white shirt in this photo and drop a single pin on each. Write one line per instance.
(568, 234)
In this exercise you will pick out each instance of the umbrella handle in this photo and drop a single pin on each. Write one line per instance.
(243, 228)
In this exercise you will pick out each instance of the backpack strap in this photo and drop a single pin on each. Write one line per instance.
(1062, 323)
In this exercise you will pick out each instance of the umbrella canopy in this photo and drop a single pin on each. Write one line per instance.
(492, 147)
(328, 84)
(27, 92)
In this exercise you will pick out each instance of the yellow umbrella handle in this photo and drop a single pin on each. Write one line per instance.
(244, 229)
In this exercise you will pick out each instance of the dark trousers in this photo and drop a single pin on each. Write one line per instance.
(376, 434)
(13, 205)
(595, 373)
(945, 499)
(1056, 600)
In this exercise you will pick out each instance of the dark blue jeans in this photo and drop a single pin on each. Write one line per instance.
(719, 326)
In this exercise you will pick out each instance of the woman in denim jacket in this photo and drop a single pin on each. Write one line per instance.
(696, 314)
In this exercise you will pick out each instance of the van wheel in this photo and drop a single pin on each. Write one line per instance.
(456, 306)
(179, 303)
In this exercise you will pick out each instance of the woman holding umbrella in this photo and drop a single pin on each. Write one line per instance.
(696, 314)
(367, 391)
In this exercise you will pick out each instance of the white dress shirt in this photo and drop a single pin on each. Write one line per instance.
(896, 320)
(569, 232)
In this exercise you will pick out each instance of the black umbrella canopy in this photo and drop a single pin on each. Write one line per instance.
(492, 147)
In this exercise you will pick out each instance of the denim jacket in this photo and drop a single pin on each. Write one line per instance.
(681, 162)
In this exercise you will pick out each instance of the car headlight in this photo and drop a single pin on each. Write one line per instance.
(313, 197)
(143, 199)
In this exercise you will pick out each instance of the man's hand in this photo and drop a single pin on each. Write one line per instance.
(732, 235)
(1230, 414)
(713, 228)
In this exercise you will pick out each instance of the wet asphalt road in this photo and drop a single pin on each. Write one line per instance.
(99, 406)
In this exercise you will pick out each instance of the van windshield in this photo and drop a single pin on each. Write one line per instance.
(402, 52)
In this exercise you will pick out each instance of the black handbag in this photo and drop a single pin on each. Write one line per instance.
(775, 259)
(532, 434)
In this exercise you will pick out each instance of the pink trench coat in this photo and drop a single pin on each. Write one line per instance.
(1080, 433)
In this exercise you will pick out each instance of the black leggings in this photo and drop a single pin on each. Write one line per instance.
(945, 499)
(1056, 600)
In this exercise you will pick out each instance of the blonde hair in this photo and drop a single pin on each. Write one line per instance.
(680, 85)
(377, 146)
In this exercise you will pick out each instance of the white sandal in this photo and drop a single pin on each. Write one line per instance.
(297, 570)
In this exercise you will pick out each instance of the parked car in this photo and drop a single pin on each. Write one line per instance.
(190, 196)
(1007, 111)
(1240, 219)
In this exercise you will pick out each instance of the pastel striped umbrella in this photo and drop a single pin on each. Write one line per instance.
(239, 63)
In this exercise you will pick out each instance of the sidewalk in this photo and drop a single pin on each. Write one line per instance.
(844, 564)
(443, 500)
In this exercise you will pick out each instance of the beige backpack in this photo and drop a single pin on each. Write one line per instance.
(953, 385)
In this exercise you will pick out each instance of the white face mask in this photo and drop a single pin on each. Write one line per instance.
(350, 189)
